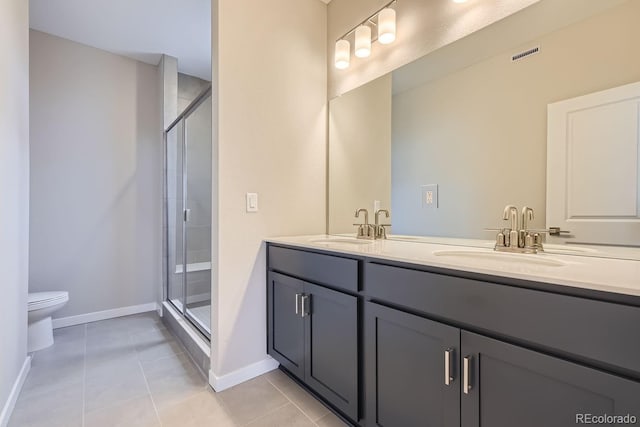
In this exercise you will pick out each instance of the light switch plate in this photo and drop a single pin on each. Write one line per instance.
(429, 196)
(252, 202)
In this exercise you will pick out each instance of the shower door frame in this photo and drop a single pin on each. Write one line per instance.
(182, 117)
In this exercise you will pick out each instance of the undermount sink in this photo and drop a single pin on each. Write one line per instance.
(502, 257)
(342, 240)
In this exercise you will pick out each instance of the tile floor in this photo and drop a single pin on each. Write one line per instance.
(130, 371)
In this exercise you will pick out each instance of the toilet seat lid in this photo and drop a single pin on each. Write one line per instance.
(44, 299)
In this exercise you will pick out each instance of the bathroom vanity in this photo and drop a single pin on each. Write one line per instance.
(394, 333)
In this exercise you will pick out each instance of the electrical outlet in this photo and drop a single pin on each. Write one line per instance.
(429, 196)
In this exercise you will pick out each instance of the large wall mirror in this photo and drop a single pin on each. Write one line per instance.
(468, 122)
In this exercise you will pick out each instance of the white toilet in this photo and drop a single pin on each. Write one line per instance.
(41, 306)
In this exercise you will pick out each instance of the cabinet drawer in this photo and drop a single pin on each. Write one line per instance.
(586, 329)
(333, 271)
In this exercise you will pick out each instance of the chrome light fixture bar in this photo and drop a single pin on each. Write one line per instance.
(380, 26)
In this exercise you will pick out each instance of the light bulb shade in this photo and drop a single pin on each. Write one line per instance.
(387, 26)
(342, 54)
(363, 41)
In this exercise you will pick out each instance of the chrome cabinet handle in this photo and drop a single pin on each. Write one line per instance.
(297, 303)
(467, 381)
(304, 300)
(447, 366)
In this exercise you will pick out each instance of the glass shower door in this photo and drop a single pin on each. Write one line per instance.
(198, 208)
(188, 213)
(175, 275)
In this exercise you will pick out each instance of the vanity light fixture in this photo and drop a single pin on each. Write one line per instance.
(383, 21)
(387, 26)
(363, 41)
(342, 57)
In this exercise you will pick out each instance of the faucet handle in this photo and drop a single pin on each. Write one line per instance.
(381, 231)
(365, 230)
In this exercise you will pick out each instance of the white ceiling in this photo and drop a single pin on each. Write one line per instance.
(140, 29)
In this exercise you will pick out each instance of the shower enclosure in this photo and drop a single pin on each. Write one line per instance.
(188, 213)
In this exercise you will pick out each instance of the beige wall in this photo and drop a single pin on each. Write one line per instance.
(14, 193)
(360, 135)
(423, 26)
(96, 176)
(270, 128)
(481, 133)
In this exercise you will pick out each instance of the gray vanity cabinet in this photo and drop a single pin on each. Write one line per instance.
(515, 382)
(409, 359)
(312, 329)
(513, 386)
(286, 325)
(412, 370)
(445, 348)
(331, 347)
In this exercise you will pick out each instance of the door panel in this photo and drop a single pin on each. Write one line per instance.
(515, 386)
(286, 328)
(197, 225)
(593, 164)
(405, 366)
(175, 237)
(332, 347)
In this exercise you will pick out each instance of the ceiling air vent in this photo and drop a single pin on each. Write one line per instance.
(524, 54)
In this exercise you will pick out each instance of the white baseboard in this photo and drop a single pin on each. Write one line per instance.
(80, 319)
(7, 410)
(224, 382)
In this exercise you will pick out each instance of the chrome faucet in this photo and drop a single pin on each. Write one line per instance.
(530, 240)
(380, 230)
(366, 230)
(511, 211)
(518, 238)
(527, 215)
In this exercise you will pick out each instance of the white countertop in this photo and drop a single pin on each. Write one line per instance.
(620, 276)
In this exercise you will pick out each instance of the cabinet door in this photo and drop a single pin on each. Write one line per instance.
(406, 370)
(285, 333)
(513, 386)
(332, 346)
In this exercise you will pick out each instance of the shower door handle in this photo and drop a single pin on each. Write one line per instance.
(187, 215)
